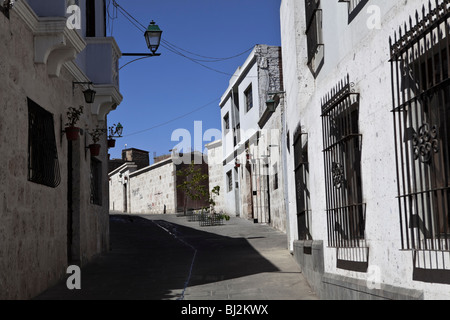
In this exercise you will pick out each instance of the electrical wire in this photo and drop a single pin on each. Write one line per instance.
(172, 120)
(176, 49)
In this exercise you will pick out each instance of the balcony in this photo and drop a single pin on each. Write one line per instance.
(100, 63)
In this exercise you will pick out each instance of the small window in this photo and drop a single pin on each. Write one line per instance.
(229, 181)
(226, 123)
(43, 164)
(96, 181)
(248, 98)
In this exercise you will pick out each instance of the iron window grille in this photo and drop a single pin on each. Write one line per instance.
(43, 164)
(302, 186)
(314, 35)
(342, 158)
(96, 181)
(420, 63)
(354, 7)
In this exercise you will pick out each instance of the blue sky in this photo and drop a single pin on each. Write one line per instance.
(159, 90)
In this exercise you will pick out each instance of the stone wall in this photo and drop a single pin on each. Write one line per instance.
(153, 190)
(34, 217)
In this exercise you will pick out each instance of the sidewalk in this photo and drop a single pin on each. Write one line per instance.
(165, 257)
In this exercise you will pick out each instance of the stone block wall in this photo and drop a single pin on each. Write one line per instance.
(33, 217)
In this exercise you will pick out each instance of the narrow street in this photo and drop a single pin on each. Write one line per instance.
(165, 257)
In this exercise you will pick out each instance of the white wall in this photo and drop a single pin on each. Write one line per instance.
(362, 53)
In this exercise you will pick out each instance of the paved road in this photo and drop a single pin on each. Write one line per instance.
(165, 257)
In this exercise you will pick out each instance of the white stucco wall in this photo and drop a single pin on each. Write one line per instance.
(362, 53)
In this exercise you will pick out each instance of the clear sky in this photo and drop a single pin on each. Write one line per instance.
(170, 92)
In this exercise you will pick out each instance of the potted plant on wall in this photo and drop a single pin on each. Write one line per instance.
(73, 116)
(115, 131)
(95, 147)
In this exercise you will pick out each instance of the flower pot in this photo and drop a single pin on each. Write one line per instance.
(72, 133)
(95, 149)
(111, 143)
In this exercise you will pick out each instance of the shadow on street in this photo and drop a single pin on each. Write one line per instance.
(154, 259)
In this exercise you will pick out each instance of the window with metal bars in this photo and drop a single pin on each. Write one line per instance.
(302, 186)
(314, 35)
(420, 60)
(354, 7)
(96, 181)
(229, 181)
(43, 164)
(342, 159)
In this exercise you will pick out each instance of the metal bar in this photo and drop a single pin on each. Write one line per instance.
(141, 54)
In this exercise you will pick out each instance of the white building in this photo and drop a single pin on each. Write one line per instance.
(251, 134)
(152, 189)
(53, 192)
(367, 105)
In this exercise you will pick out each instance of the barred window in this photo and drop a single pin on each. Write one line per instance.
(342, 156)
(314, 35)
(302, 186)
(96, 181)
(420, 58)
(43, 165)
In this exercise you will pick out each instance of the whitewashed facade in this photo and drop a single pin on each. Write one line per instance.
(347, 228)
(251, 135)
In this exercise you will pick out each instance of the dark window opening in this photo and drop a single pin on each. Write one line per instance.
(96, 181)
(248, 98)
(302, 186)
(43, 164)
(226, 123)
(229, 181)
(90, 18)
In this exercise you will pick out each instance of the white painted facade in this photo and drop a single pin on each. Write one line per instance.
(359, 48)
(251, 134)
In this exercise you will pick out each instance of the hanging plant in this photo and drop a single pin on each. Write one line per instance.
(73, 116)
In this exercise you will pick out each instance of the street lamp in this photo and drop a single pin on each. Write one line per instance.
(89, 94)
(153, 39)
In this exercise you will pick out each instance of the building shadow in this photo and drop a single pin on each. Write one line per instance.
(156, 260)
